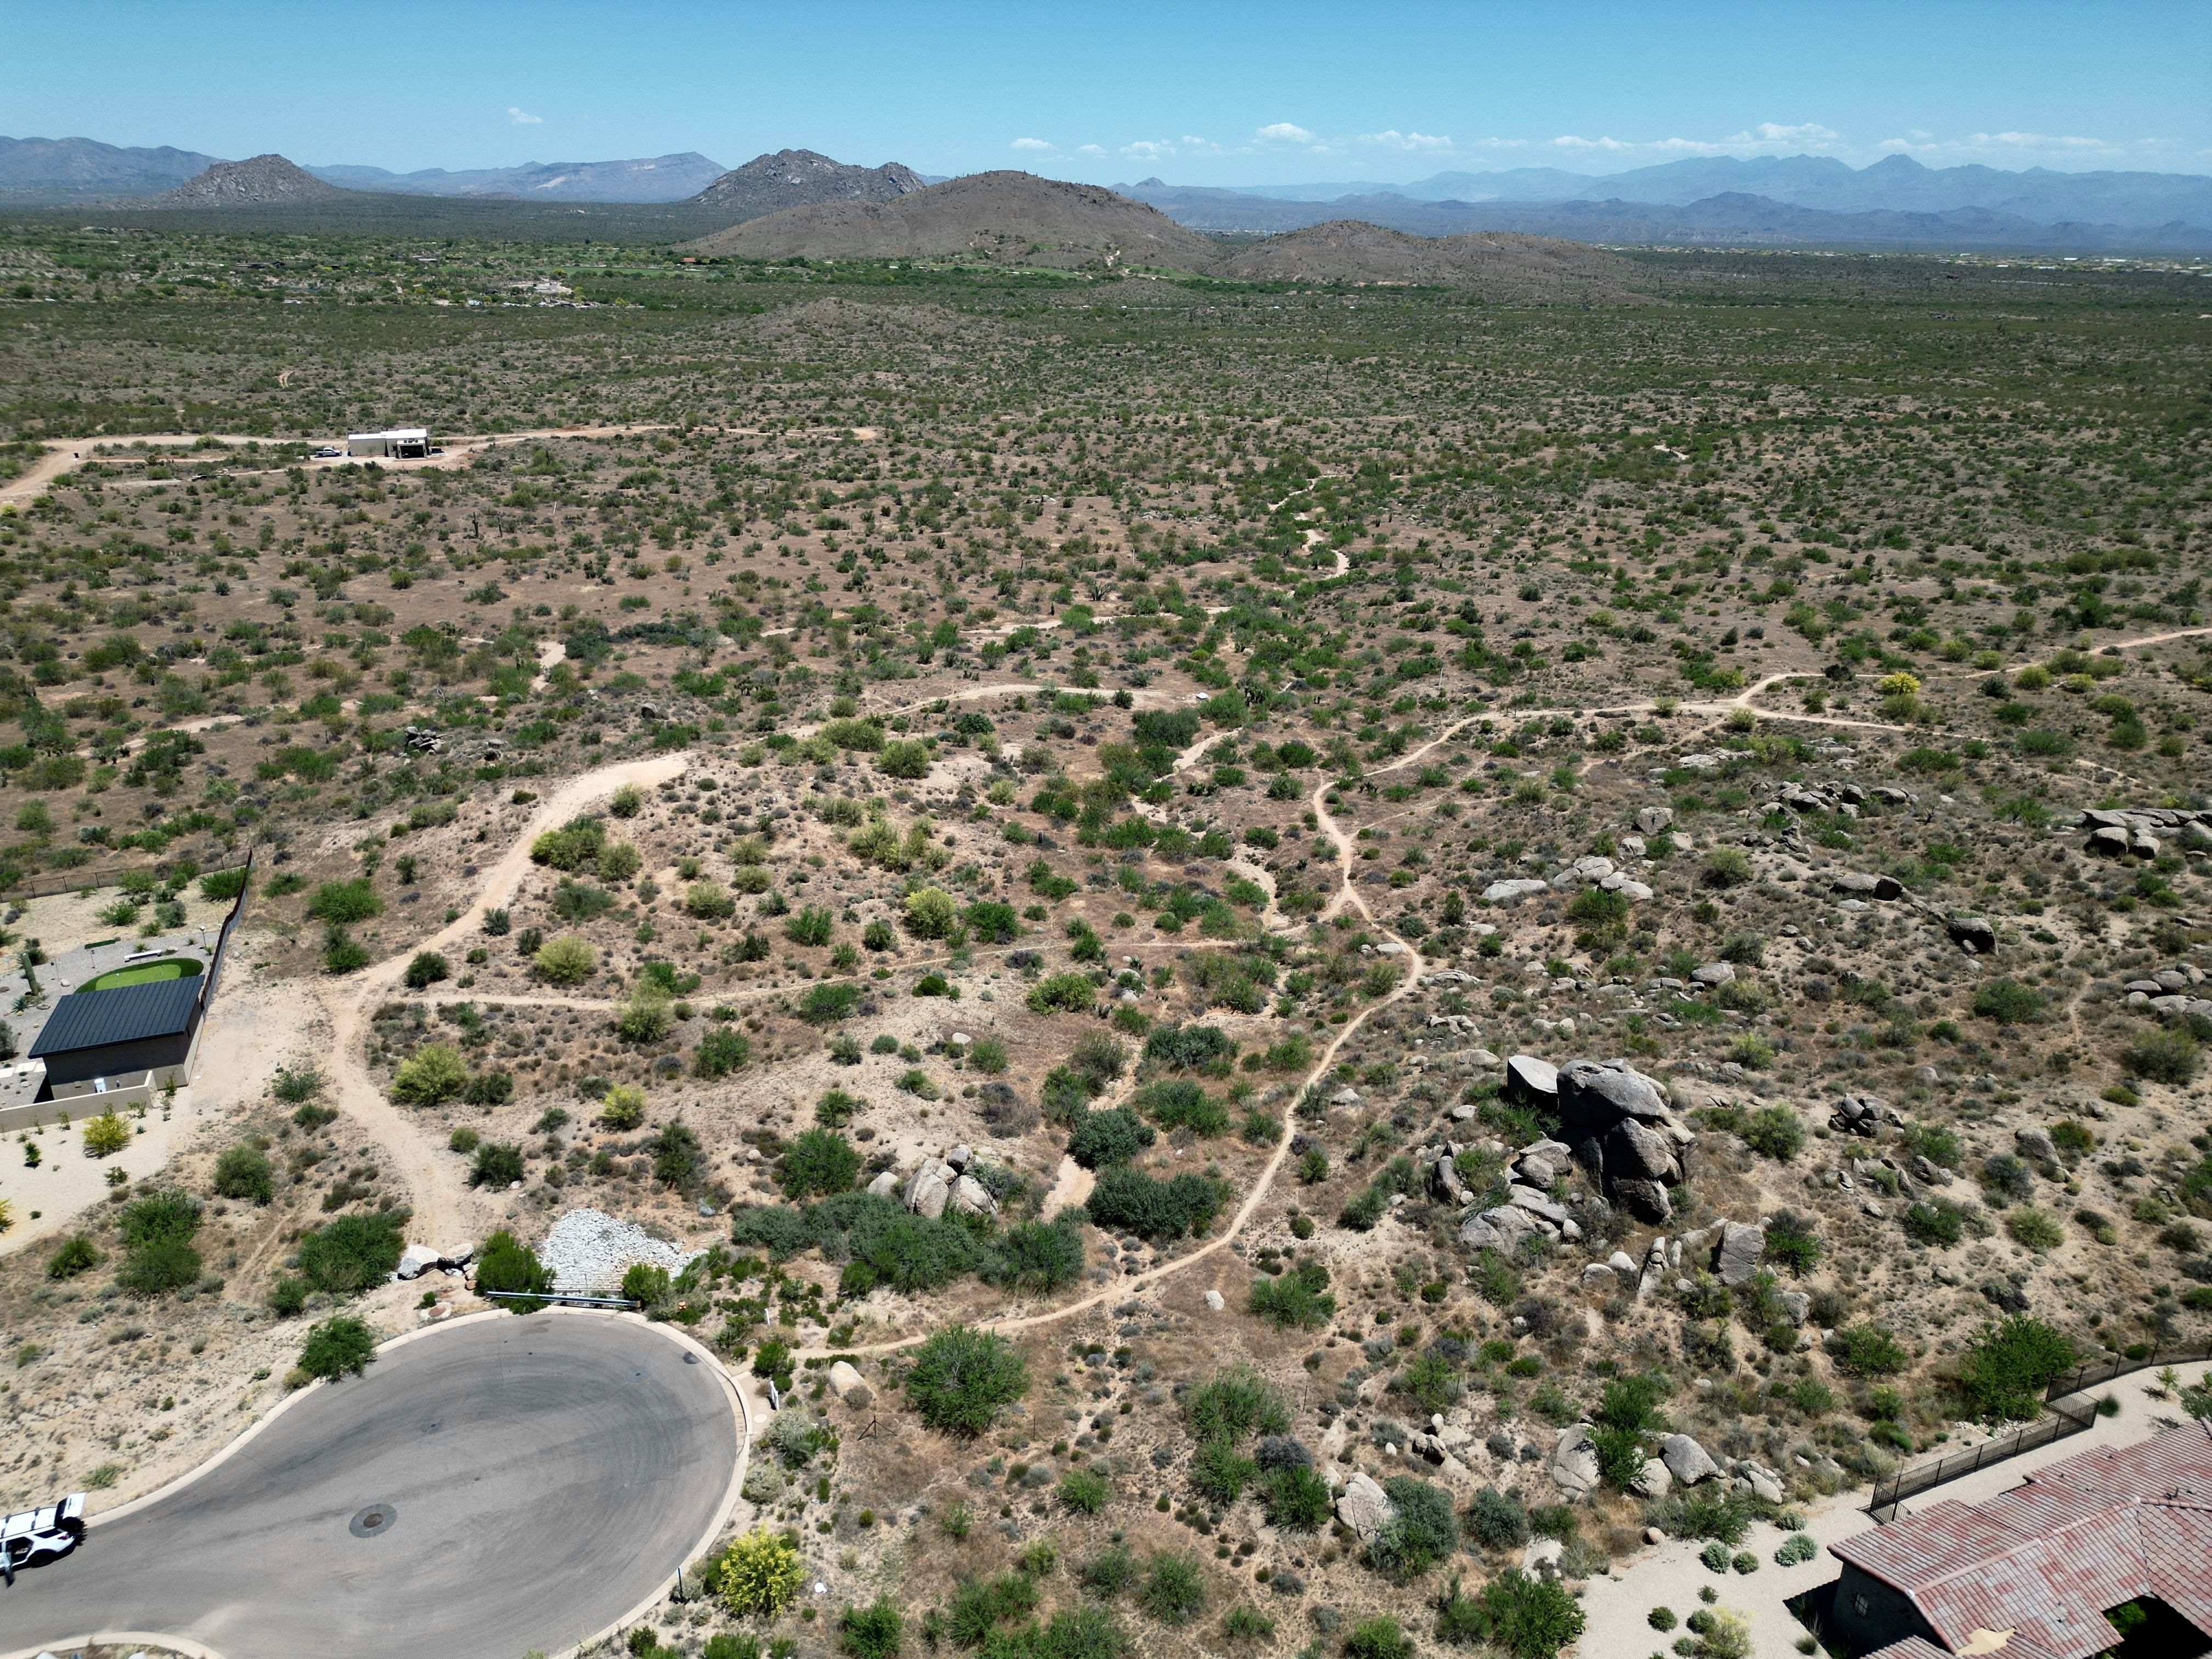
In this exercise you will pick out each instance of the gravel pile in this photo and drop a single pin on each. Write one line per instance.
(587, 1250)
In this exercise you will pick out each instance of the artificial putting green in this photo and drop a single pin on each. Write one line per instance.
(142, 973)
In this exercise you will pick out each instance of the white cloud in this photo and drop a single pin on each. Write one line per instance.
(1392, 139)
(1094, 150)
(1286, 132)
(522, 118)
(1569, 141)
(1035, 144)
(1148, 149)
(1772, 132)
(2000, 144)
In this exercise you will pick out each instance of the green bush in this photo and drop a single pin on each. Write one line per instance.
(342, 903)
(567, 960)
(961, 1377)
(1935, 1221)
(828, 1002)
(721, 1051)
(1725, 867)
(1102, 1139)
(72, 1256)
(1236, 1402)
(812, 925)
(760, 1574)
(1182, 1103)
(1071, 994)
(1295, 1300)
(1774, 1132)
(1294, 1499)
(1110, 1572)
(1220, 1473)
(505, 1264)
(337, 1346)
(1189, 1049)
(2010, 1363)
(243, 1172)
(497, 1164)
(1867, 1350)
(818, 1161)
(1378, 1638)
(1173, 1590)
(1498, 1522)
(159, 1264)
(352, 1253)
(872, 1632)
(1083, 1491)
(1130, 1200)
(2170, 1056)
(1420, 1532)
(434, 1073)
(903, 757)
(2009, 1002)
(1791, 1241)
(426, 969)
(1037, 1257)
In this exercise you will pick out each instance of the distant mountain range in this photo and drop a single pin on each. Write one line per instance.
(1728, 217)
(651, 179)
(86, 170)
(1897, 184)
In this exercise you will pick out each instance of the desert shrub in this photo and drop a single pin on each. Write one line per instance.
(506, 1263)
(159, 1264)
(708, 901)
(721, 1051)
(904, 758)
(1378, 1638)
(678, 1160)
(1295, 1300)
(426, 969)
(342, 903)
(813, 925)
(1935, 1221)
(1220, 1472)
(1110, 1572)
(496, 1164)
(2009, 1365)
(336, 1346)
(2171, 1056)
(1070, 993)
(1791, 1241)
(828, 1002)
(1130, 1200)
(243, 1172)
(1725, 867)
(1498, 1522)
(1775, 1131)
(1181, 1103)
(760, 1574)
(1420, 1532)
(2009, 1002)
(1173, 1590)
(1083, 1491)
(1867, 1350)
(296, 1084)
(1530, 1617)
(434, 1072)
(991, 922)
(106, 1134)
(1189, 1047)
(72, 1256)
(1037, 1255)
(1101, 1139)
(2035, 1228)
(567, 960)
(1295, 1498)
(352, 1253)
(960, 1378)
(872, 1632)
(1236, 1402)
(818, 1161)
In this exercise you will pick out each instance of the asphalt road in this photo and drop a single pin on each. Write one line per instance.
(526, 1481)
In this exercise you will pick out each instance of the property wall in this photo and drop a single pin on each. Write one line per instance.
(72, 1070)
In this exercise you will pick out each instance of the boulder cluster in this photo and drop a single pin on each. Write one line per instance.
(2144, 832)
(940, 1184)
(1616, 1123)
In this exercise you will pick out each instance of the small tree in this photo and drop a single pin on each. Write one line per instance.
(567, 960)
(930, 912)
(2005, 1374)
(427, 969)
(720, 1052)
(244, 1173)
(105, 1135)
(760, 1574)
(505, 1264)
(961, 1377)
(336, 1346)
(434, 1072)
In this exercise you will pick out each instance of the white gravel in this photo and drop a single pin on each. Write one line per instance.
(587, 1250)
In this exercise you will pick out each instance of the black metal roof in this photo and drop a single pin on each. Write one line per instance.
(128, 1013)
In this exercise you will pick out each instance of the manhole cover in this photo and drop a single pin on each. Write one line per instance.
(373, 1522)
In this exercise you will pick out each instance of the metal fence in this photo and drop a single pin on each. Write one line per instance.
(76, 881)
(2064, 1420)
(2088, 1376)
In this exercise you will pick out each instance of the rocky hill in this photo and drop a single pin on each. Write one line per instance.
(1501, 266)
(803, 178)
(1015, 217)
(256, 181)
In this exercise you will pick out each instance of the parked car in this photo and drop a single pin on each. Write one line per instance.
(330, 453)
(36, 1537)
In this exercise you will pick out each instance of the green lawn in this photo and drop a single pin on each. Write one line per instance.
(169, 967)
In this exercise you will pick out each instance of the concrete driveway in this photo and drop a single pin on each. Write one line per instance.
(487, 1489)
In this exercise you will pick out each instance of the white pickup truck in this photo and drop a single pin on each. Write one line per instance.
(34, 1537)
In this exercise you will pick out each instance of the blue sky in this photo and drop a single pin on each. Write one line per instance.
(1196, 93)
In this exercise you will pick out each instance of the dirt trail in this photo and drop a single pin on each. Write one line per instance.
(445, 1213)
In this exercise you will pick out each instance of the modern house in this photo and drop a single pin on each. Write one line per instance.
(121, 1041)
(404, 443)
(2108, 1551)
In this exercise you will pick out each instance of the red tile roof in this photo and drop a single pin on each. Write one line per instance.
(2048, 1558)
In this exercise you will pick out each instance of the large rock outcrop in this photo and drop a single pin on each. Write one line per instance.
(1623, 1134)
